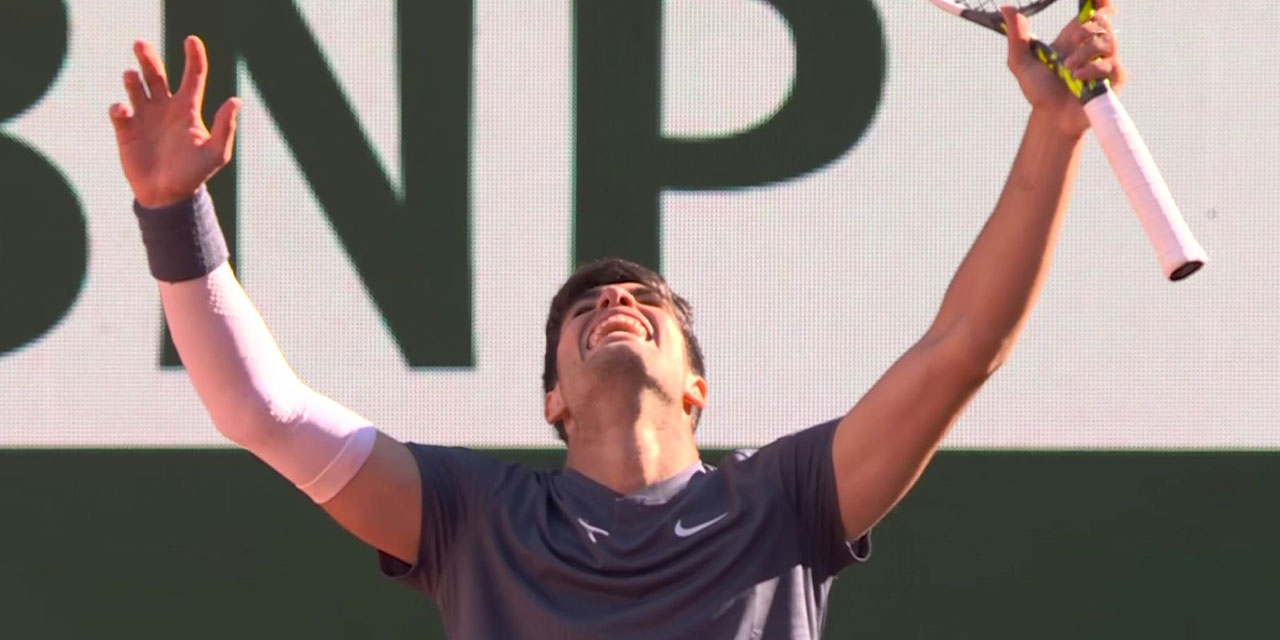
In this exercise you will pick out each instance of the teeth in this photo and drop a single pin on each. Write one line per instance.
(617, 323)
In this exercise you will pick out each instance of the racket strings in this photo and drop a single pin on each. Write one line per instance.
(993, 6)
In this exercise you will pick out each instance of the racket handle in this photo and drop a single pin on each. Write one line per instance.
(1180, 255)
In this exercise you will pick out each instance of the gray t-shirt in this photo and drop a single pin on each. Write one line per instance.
(746, 550)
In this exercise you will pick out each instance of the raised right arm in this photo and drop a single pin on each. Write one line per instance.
(366, 480)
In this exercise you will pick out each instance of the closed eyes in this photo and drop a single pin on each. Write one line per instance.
(645, 295)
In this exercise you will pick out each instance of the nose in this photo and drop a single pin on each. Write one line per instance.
(614, 296)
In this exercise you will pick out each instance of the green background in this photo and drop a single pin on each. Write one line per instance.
(211, 544)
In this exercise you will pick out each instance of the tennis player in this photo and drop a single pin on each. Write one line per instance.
(636, 537)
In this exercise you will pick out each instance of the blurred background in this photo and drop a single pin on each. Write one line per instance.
(413, 181)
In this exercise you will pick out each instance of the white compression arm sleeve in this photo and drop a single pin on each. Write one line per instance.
(252, 394)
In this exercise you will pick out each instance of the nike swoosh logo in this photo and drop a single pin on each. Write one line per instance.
(686, 532)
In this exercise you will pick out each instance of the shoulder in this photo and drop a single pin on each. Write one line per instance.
(468, 470)
(807, 443)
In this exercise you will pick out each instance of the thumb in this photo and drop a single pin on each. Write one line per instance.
(1018, 31)
(222, 138)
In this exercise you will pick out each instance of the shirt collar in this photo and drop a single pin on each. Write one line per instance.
(657, 493)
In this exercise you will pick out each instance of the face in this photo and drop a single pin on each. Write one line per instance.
(618, 337)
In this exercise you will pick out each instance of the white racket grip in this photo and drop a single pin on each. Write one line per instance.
(1179, 253)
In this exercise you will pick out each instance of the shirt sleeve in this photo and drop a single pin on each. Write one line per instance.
(457, 485)
(800, 465)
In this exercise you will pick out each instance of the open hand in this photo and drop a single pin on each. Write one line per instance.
(1089, 52)
(165, 150)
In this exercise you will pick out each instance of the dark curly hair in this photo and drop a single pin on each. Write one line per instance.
(613, 271)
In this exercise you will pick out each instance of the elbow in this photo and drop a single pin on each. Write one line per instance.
(251, 419)
(972, 354)
(987, 358)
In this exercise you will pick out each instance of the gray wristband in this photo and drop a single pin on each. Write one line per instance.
(183, 240)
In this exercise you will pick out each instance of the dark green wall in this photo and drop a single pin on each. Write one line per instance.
(210, 544)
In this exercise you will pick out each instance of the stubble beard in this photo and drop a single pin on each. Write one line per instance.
(624, 371)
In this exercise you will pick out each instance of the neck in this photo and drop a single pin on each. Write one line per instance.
(626, 456)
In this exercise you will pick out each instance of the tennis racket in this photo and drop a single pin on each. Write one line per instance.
(1180, 255)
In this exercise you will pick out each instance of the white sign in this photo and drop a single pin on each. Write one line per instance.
(805, 291)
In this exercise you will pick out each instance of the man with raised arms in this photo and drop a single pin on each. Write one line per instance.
(636, 537)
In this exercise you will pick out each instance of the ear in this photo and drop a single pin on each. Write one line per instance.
(554, 408)
(695, 393)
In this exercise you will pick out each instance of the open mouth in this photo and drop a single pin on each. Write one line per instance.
(618, 325)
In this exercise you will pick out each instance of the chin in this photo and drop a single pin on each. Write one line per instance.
(621, 366)
(617, 360)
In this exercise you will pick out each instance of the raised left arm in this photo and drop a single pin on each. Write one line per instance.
(882, 445)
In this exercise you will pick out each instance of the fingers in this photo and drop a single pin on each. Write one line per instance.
(194, 73)
(1079, 33)
(133, 87)
(1018, 31)
(1092, 49)
(120, 112)
(1094, 69)
(1097, 42)
(121, 117)
(223, 136)
(152, 70)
